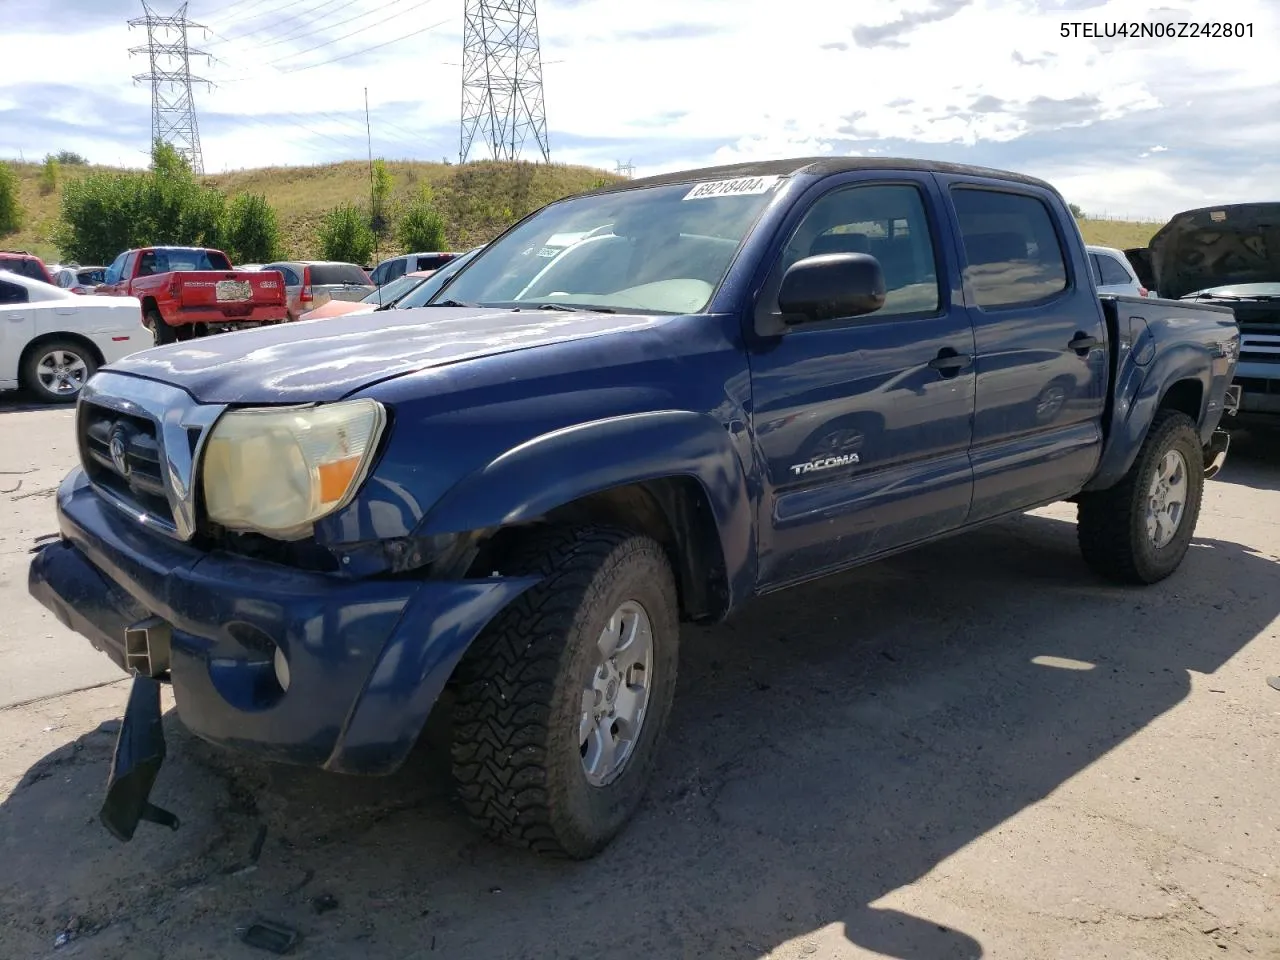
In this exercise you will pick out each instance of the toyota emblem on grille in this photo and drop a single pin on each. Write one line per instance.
(118, 446)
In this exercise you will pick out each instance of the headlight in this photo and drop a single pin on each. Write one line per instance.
(277, 471)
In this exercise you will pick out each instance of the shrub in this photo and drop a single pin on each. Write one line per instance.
(250, 232)
(49, 172)
(11, 213)
(345, 235)
(421, 227)
(381, 190)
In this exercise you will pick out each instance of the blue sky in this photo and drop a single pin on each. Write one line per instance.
(1122, 126)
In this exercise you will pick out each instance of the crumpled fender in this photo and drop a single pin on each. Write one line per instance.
(566, 464)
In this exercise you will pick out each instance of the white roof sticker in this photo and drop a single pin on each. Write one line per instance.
(739, 186)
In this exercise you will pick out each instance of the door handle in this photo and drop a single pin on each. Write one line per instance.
(950, 362)
(1082, 344)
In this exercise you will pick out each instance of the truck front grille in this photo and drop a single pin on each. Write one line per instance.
(140, 443)
(123, 454)
(1260, 348)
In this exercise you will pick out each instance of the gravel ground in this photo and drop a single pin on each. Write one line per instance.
(974, 750)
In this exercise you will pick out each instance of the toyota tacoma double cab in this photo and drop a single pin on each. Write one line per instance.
(736, 380)
(193, 291)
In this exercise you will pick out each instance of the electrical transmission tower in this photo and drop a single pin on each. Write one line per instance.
(628, 168)
(173, 111)
(502, 78)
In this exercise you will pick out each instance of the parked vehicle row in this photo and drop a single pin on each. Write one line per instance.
(737, 380)
(411, 290)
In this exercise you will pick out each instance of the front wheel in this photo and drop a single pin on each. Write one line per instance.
(1140, 530)
(562, 700)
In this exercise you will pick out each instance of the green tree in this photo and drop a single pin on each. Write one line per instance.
(421, 227)
(250, 232)
(345, 235)
(69, 158)
(1076, 211)
(381, 185)
(49, 173)
(11, 212)
(105, 213)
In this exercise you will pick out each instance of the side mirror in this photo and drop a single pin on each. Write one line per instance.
(832, 285)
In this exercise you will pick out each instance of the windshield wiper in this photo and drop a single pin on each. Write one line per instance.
(451, 303)
(569, 309)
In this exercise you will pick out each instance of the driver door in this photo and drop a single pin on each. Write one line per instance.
(863, 424)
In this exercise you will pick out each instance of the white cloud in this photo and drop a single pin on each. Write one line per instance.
(691, 82)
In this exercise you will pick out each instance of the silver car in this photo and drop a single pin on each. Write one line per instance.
(313, 283)
(1112, 272)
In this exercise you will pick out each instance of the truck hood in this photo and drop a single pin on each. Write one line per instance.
(324, 360)
(1213, 246)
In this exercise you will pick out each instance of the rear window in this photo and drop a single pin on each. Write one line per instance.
(24, 266)
(181, 258)
(433, 261)
(325, 274)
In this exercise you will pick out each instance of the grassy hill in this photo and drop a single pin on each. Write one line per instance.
(477, 199)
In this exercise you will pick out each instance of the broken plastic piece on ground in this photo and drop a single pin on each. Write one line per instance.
(1273, 683)
(267, 935)
(139, 753)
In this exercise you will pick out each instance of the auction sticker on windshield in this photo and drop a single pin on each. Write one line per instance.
(739, 186)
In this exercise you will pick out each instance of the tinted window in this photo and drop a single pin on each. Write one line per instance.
(433, 262)
(11, 293)
(324, 274)
(1095, 269)
(23, 267)
(432, 285)
(1112, 272)
(1012, 251)
(394, 270)
(887, 221)
(181, 258)
(291, 278)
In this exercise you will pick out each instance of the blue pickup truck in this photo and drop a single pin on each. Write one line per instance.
(732, 380)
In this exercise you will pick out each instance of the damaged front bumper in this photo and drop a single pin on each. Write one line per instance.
(289, 665)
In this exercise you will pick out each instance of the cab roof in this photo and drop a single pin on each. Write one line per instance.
(822, 167)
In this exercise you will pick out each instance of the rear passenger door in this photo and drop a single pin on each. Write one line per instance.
(1040, 342)
(862, 424)
(16, 328)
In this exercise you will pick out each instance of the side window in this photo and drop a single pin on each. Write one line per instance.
(1011, 248)
(130, 262)
(1095, 269)
(1112, 272)
(116, 270)
(378, 273)
(290, 278)
(12, 293)
(887, 221)
(395, 269)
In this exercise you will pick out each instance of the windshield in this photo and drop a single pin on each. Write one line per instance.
(660, 249)
(390, 292)
(423, 294)
(1241, 291)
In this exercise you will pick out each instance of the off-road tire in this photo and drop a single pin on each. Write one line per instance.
(30, 373)
(1111, 524)
(515, 752)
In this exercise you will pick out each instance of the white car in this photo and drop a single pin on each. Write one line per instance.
(1112, 272)
(52, 340)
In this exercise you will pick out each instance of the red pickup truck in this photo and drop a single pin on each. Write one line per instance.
(193, 291)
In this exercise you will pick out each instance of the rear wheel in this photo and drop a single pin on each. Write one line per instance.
(1139, 531)
(563, 700)
(164, 333)
(56, 371)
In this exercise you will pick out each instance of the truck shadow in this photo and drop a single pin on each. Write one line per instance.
(829, 746)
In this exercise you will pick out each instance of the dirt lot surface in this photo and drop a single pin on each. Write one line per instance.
(975, 750)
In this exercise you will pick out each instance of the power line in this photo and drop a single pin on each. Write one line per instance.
(173, 111)
(276, 23)
(354, 32)
(331, 26)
